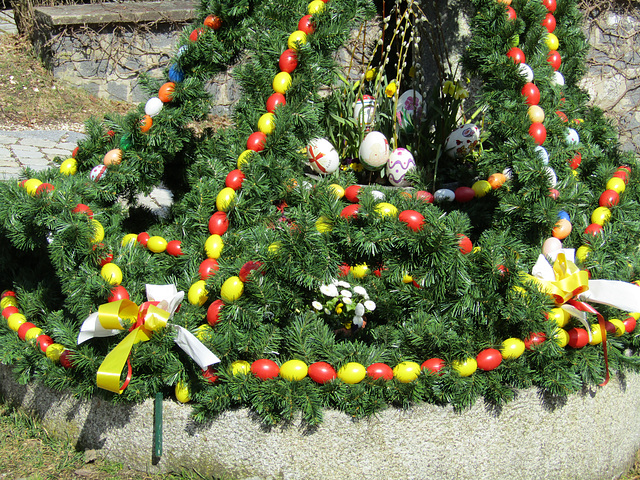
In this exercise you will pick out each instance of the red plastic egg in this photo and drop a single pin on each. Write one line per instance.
(549, 22)
(609, 198)
(516, 54)
(511, 13)
(107, 257)
(82, 208)
(256, 141)
(464, 244)
(22, 330)
(213, 21)
(275, 99)
(380, 370)
(433, 365)
(464, 194)
(174, 247)
(288, 60)
(534, 338)
(531, 92)
(43, 342)
(218, 223)
(10, 310)
(350, 211)
(593, 229)
(213, 312)
(538, 132)
(622, 174)
(306, 25)
(413, 219)
(578, 337)
(575, 161)
(65, 359)
(489, 359)
(118, 293)
(629, 324)
(351, 193)
(44, 187)
(234, 179)
(143, 238)
(247, 268)
(207, 268)
(425, 196)
(166, 92)
(264, 369)
(195, 34)
(321, 372)
(550, 4)
(554, 59)
(210, 374)
(75, 152)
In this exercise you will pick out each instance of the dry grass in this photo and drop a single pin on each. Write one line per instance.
(30, 96)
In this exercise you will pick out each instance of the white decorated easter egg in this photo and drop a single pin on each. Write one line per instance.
(444, 195)
(543, 154)
(526, 71)
(409, 111)
(97, 172)
(400, 162)
(364, 111)
(323, 158)
(557, 79)
(374, 151)
(551, 175)
(572, 137)
(153, 106)
(462, 141)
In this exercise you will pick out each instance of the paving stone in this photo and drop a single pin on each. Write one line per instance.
(7, 139)
(73, 137)
(66, 145)
(8, 162)
(39, 167)
(55, 152)
(36, 142)
(7, 173)
(53, 135)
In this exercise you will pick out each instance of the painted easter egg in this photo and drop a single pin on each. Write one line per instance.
(97, 172)
(400, 162)
(364, 111)
(462, 141)
(323, 158)
(374, 151)
(409, 111)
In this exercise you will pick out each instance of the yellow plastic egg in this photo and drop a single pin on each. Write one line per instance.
(337, 190)
(204, 331)
(274, 248)
(111, 273)
(616, 184)
(561, 337)
(225, 199)
(281, 82)
(197, 294)
(620, 329)
(231, 289)
(8, 301)
(481, 188)
(240, 367)
(323, 225)
(406, 372)
(295, 39)
(98, 231)
(294, 370)
(32, 333)
(15, 320)
(244, 157)
(635, 315)
(213, 246)
(69, 166)
(582, 253)
(552, 41)
(360, 271)
(267, 123)
(157, 244)
(130, 238)
(596, 335)
(54, 351)
(560, 316)
(316, 6)
(385, 209)
(352, 373)
(32, 185)
(601, 215)
(183, 395)
(536, 114)
(466, 367)
(512, 348)
(406, 278)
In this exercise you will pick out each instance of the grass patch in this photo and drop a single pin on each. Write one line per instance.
(31, 97)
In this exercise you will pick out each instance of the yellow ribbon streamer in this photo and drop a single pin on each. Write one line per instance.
(111, 316)
(570, 280)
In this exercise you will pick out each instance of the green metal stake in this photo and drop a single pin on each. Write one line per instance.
(157, 427)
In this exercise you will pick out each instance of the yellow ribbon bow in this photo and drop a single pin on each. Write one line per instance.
(114, 317)
(569, 281)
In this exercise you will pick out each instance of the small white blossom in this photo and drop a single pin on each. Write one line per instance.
(359, 310)
(329, 290)
(357, 320)
(346, 293)
(317, 305)
(343, 284)
(327, 311)
(370, 305)
(347, 300)
(360, 290)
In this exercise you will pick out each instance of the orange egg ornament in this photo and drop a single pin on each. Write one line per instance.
(146, 123)
(496, 180)
(166, 92)
(113, 157)
(562, 229)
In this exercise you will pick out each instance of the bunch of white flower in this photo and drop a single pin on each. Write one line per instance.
(345, 302)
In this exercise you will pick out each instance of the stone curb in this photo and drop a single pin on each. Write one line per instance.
(593, 435)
